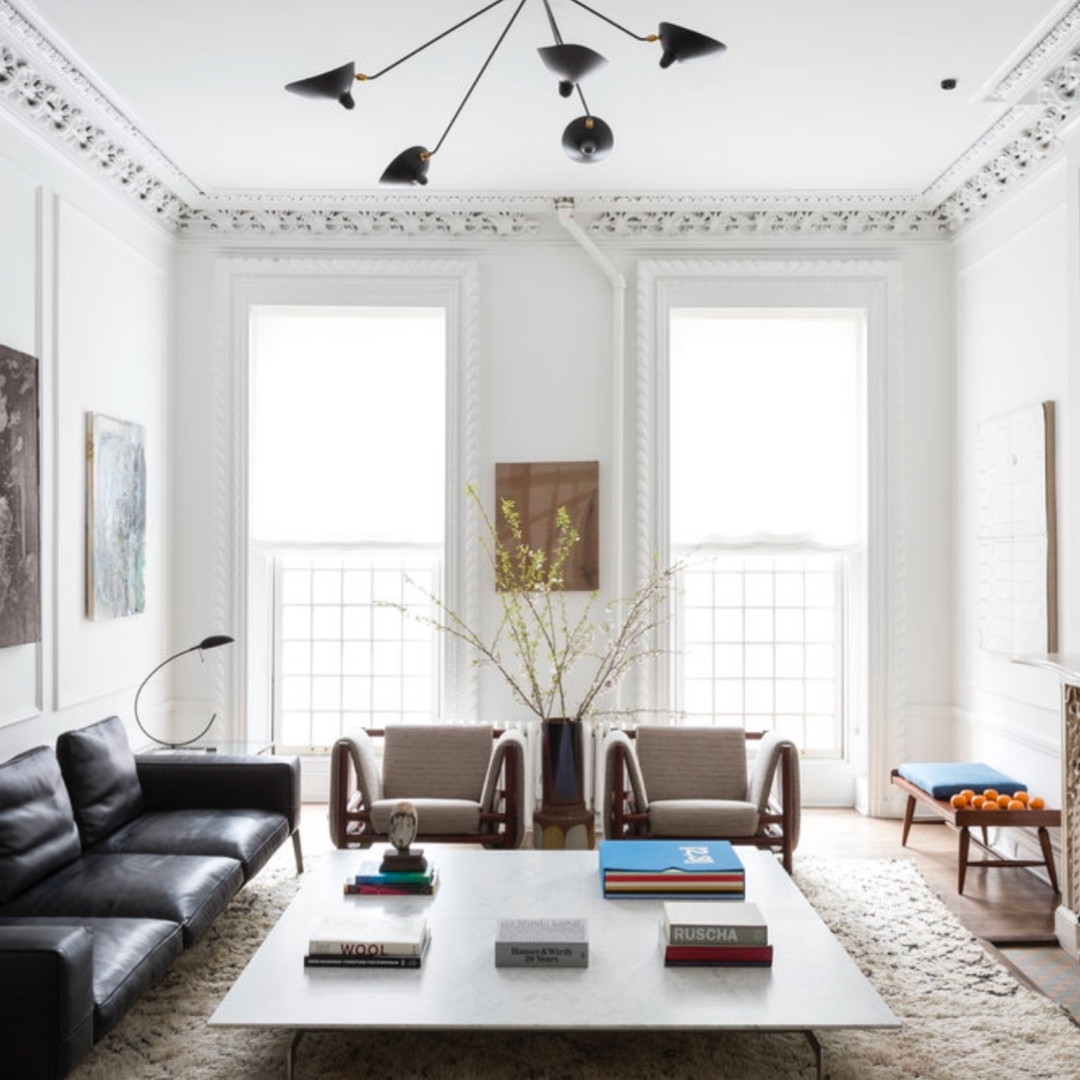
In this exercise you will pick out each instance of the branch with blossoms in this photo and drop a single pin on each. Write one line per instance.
(538, 643)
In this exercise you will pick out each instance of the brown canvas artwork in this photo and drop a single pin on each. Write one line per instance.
(538, 490)
(20, 527)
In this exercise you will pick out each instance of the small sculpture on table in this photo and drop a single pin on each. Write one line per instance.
(402, 832)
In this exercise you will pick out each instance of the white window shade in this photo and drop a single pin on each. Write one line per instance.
(765, 428)
(348, 439)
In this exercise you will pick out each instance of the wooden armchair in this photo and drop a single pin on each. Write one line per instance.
(467, 782)
(694, 782)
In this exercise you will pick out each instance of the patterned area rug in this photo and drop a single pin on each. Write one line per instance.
(963, 1014)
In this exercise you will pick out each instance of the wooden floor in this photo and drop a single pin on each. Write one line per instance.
(999, 905)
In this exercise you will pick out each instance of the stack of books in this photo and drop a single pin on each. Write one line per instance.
(393, 941)
(371, 881)
(670, 869)
(715, 935)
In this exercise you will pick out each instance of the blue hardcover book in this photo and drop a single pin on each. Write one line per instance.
(658, 868)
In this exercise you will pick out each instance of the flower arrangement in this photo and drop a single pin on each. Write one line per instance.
(543, 635)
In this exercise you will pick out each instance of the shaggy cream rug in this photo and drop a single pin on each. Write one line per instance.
(963, 1015)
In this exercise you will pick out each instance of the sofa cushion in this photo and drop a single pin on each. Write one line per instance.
(99, 770)
(434, 817)
(129, 956)
(702, 818)
(249, 836)
(37, 826)
(191, 890)
(693, 762)
(436, 761)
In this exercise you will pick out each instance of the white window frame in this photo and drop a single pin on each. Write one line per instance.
(241, 586)
(875, 732)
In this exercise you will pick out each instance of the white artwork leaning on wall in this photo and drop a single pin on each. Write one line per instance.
(1016, 538)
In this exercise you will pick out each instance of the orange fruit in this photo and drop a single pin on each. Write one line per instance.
(1016, 804)
(991, 804)
(1037, 803)
(959, 801)
(990, 793)
(968, 794)
(977, 801)
(1003, 801)
(1020, 796)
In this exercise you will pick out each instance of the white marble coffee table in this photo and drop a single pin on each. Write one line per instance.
(812, 985)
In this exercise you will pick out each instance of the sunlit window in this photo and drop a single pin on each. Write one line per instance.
(347, 484)
(767, 508)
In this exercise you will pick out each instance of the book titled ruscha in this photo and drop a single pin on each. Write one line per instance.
(694, 933)
(657, 869)
(542, 943)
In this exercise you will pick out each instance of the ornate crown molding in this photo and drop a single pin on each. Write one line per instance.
(49, 93)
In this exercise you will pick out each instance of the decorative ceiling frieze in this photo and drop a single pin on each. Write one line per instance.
(49, 95)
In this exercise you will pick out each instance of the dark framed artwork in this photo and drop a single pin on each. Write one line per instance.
(20, 523)
(115, 517)
(538, 489)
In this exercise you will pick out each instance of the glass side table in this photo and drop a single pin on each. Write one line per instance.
(256, 747)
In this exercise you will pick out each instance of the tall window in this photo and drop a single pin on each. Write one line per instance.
(347, 484)
(767, 471)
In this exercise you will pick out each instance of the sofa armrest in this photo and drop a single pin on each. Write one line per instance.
(507, 763)
(353, 755)
(625, 797)
(221, 782)
(46, 999)
(776, 751)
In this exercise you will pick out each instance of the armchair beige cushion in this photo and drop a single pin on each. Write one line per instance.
(694, 782)
(466, 782)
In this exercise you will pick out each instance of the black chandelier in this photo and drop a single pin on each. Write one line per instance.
(586, 138)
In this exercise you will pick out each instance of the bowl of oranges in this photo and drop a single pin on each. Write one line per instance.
(992, 799)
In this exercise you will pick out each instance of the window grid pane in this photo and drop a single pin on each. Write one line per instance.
(344, 658)
(758, 645)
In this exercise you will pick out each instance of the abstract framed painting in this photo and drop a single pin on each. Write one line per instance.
(115, 517)
(538, 489)
(20, 522)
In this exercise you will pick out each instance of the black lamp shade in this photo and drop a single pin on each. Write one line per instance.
(681, 44)
(336, 84)
(409, 167)
(571, 64)
(214, 641)
(587, 139)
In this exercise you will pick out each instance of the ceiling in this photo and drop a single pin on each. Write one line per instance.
(811, 96)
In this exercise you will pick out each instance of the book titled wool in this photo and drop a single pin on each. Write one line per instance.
(370, 937)
(542, 943)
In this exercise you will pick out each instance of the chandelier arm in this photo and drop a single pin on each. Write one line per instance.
(551, 22)
(581, 94)
(438, 37)
(479, 75)
(618, 26)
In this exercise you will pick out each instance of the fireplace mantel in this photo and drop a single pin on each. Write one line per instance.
(1067, 668)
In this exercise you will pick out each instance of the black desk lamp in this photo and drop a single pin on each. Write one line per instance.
(211, 642)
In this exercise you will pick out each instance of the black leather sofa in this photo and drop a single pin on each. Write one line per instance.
(110, 866)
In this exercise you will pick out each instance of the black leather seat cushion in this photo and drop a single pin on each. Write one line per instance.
(130, 955)
(37, 827)
(99, 770)
(191, 890)
(250, 836)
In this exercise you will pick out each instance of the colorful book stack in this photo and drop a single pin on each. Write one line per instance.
(394, 941)
(663, 869)
(716, 935)
(370, 881)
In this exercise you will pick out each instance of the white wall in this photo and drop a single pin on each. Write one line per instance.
(547, 393)
(84, 287)
(1012, 322)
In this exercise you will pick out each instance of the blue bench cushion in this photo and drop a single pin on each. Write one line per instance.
(943, 779)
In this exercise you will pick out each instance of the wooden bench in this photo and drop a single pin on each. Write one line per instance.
(964, 820)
